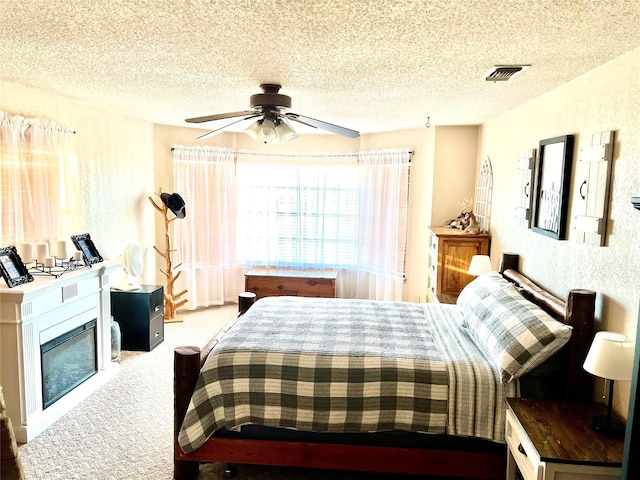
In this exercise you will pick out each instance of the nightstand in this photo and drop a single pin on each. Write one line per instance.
(554, 440)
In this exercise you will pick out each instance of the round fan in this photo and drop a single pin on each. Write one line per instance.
(133, 262)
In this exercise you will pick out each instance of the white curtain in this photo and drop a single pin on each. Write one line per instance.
(383, 217)
(38, 179)
(205, 240)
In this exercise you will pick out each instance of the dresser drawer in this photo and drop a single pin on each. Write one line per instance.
(523, 451)
(156, 331)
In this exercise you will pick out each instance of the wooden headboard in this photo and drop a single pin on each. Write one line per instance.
(578, 311)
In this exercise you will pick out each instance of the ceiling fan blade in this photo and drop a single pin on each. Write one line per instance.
(347, 132)
(220, 116)
(218, 130)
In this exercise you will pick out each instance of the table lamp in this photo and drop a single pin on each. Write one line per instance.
(610, 357)
(480, 264)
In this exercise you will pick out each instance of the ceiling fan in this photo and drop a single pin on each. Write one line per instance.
(270, 108)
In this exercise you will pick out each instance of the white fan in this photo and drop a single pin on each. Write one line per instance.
(133, 263)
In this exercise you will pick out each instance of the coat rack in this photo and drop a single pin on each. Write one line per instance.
(174, 203)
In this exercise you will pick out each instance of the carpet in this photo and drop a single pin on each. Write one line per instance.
(124, 430)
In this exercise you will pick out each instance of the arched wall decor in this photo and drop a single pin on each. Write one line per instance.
(482, 210)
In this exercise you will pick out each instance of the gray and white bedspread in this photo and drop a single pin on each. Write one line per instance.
(339, 365)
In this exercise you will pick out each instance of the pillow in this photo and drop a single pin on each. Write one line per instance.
(516, 334)
(478, 289)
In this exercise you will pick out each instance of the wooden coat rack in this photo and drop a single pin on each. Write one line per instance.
(172, 301)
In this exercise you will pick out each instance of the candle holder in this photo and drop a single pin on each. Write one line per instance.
(60, 267)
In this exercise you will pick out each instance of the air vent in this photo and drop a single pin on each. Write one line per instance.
(502, 73)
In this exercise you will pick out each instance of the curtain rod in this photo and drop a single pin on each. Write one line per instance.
(292, 154)
(29, 121)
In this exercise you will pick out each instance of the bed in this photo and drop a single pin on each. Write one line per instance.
(280, 385)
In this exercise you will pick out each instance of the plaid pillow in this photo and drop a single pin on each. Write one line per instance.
(516, 334)
(478, 289)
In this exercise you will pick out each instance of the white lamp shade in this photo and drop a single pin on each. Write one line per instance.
(285, 131)
(610, 356)
(480, 264)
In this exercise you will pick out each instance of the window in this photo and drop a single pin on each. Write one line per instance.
(300, 216)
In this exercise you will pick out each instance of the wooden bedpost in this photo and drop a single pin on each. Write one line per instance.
(509, 261)
(186, 367)
(578, 384)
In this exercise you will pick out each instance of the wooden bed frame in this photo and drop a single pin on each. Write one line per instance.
(577, 311)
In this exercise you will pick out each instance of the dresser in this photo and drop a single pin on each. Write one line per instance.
(450, 253)
(140, 314)
(555, 441)
(301, 283)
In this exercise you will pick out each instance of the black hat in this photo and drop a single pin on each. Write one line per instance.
(175, 203)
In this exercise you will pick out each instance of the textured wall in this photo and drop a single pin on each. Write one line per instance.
(607, 98)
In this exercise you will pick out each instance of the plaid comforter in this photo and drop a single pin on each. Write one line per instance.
(339, 365)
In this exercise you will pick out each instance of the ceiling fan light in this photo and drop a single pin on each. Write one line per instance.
(271, 131)
(268, 131)
(253, 130)
(285, 131)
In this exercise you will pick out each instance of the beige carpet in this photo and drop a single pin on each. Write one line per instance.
(124, 430)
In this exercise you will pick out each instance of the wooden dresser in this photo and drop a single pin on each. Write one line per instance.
(450, 253)
(301, 283)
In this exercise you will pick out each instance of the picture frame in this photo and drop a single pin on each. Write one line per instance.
(90, 253)
(553, 173)
(12, 269)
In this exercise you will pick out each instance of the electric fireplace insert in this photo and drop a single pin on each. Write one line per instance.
(67, 361)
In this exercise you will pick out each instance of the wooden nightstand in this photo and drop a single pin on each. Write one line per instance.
(554, 440)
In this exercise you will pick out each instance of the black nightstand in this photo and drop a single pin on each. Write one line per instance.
(140, 314)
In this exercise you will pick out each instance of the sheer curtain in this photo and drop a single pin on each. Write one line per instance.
(383, 219)
(205, 240)
(38, 178)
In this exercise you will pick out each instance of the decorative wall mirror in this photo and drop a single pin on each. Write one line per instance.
(482, 210)
(553, 173)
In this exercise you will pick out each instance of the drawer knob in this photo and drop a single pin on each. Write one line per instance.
(157, 334)
(521, 450)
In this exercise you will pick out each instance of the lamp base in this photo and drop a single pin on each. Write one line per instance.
(608, 426)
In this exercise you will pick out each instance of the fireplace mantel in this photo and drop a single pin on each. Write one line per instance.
(32, 312)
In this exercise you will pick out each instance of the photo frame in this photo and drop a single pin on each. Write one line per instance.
(89, 251)
(12, 269)
(553, 173)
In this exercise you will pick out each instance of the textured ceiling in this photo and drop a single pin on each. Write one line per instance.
(370, 65)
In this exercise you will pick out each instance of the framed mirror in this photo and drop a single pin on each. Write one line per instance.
(553, 174)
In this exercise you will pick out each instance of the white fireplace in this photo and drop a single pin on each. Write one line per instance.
(35, 316)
